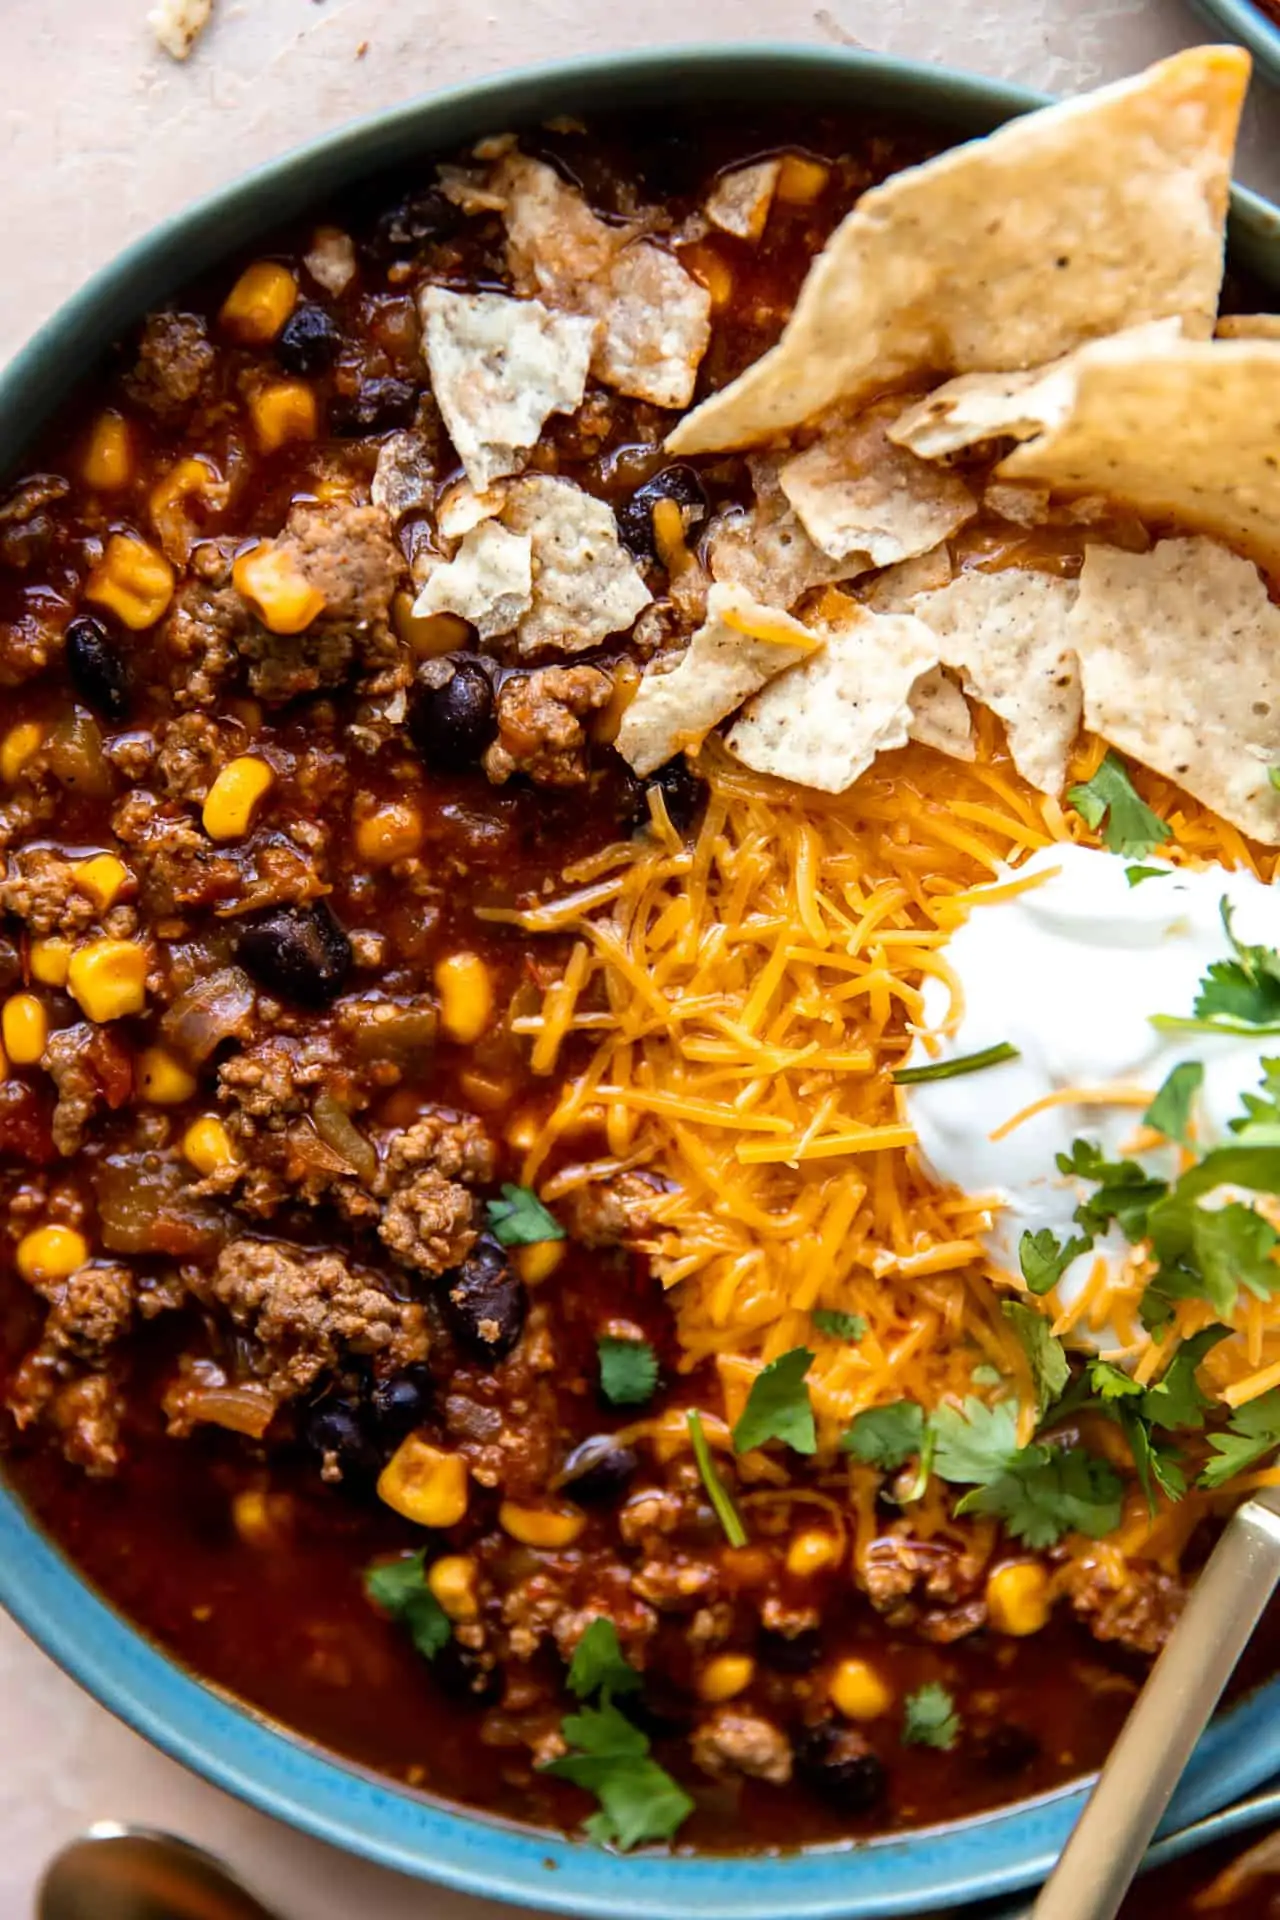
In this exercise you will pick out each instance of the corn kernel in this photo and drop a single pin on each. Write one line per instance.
(259, 303)
(858, 1691)
(626, 683)
(51, 1253)
(108, 460)
(800, 181)
(539, 1261)
(233, 798)
(276, 588)
(282, 412)
(191, 479)
(428, 634)
(251, 1517)
(132, 580)
(425, 1484)
(523, 1132)
(206, 1144)
(17, 747)
(108, 978)
(162, 1080)
(389, 833)
(24, 1027)
(1018, 1598)
(813, 1552)
(549, 1527)
(711, 270)
(452, 1579)
(725, 1676)
(466, 996)
(102, 877)
(50, 960)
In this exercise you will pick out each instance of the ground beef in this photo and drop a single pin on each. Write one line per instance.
(505, 1422)
(560, 1603)
(85, 1412)
(731, 1741)
(1141, 1613)
(430, 1223)
(192, 749)
(175, 360)
(90, 1311)
(39, 886)
(64, 1382)
(454, 1144)
(305, 1310)
(275, 1079)
(933, 1586)
(206, 628)
(610, 1213)
(175, 863)
(540, 729)
(91, 1067)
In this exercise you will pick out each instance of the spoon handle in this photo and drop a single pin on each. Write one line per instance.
(1121, 1814)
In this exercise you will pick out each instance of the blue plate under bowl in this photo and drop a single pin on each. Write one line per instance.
(228, 1743)
(1250, 26)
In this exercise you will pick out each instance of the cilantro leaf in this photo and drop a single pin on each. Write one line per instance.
(1125, 1191)
(929, 1718)
(886, 1437)
(610, 1758)
(1209, 1253)
(1170, 1111)
(1112, 1383)
(726, 1513)
(1253, 1432)
(952, 1069)
(1046, 1356)
(1176, 1400)
(838, 1326)
(1241, 995)
(977, 1444)
(1049, 1491)
(519, 1219)
(1155, 1465)
(400, 1588)
(599, 1664)
(1259, 1124)
(1110, 797)
(1136, 875)
(778, 1406)
(984, 1375)
(1044, 1259)
(628, 1370)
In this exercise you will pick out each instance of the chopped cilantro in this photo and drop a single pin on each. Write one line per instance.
(1046, 1356)
(929, 1718)
(1048, 1491)
(1112, 1383)
(628, 1370)
(1241, 995)
(1259, 1124)
(1209, 1253)
(977, 1444)
(1125, 1191)
(838, 1326)
(952, 1069)
(1110, 801)
(1170, 1111)
(886, 1437)
(1156, 1465)
(726, 1513)
(400, 1588)
(610, 1758)
(1136, 875)
(1253, 1432)
(519, 1219)
(599, 1664)
(778, 1406)
(1177, 1400)
(986, 1376)
(1044, 1259)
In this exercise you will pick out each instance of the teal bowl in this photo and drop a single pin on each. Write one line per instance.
(1242, 21)
(237, 1749)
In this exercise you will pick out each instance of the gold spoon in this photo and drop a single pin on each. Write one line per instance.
(126, 1873)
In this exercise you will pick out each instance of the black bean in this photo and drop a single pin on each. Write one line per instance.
(682, 793)
(300, 953)
(97, 669)
(1008, 1749)
(451, 719)
(401, 1403)
(635, 516)
(375, 407)
(308, 341)
(465, 1675)
(599, 1468)
(840, 1764)
(485, 1301)
(790, 1652)
(661, 1710)
(420, 217)
(333, 1428)
(10, 964)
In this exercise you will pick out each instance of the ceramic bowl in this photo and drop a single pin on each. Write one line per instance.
(1243, 21)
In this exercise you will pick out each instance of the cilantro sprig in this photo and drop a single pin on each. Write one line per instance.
(1252, 1433)
(1239, 995)
(400, 1588)
(1110, 801)
(609, 1757)
(628, 1371)
(718, 1494)
(1044, 1258)
(519, 1218)
(778, 1406)
(929, 1718)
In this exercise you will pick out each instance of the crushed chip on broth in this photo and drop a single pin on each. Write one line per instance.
(940, 715)
(766, 549)
(740, 201)
(1067, 224)
(585, 583)
(461, 507)
(499, 369)
(489, 581)
(403, 480)
(858, 494)
(894, 590)
(725, 662)
(1180, 657)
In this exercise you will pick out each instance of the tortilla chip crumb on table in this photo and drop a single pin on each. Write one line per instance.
(178, 24)
(740, 201)
(1110, 210)
(1180, 659)
(676, 707)
(856, 493)
(489, 581)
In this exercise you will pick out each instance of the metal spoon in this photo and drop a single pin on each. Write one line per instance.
(125, 1873)
(1134, 1788)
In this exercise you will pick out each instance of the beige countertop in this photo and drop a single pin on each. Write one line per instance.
(101, 135)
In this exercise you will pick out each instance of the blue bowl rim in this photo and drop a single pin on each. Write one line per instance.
(224, 1740)
(1250, 26)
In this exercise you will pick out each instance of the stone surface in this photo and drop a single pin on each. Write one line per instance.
(101, 136)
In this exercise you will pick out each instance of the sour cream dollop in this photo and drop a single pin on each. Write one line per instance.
(1070, 972)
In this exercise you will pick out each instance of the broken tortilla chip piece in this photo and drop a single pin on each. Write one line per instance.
(766, 549)
(1006, 634)
(894, 590)
(858, 494)
(499, 369)
(739, 646)
(1005, 253)
(585, 583)
(403, 480)
(489, 581)
(823, 722)
(1249, 326)
(740, 200)
(1180, 657)
(1188, 433)
(940, 715)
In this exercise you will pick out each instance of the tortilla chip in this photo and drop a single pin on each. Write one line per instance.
(675, 710)
(940, 716)
(1180, 656)
(1004, 253)
(858, 494)
(766, 550)
(489, 581)
(1249, 326)
(499, 369)
(460, 507)
(1006, 634)
(894, 590)
(404, 478)
(655, 319)
(740, 201)
(585, 583)
(1023, 506)
(1188, 434)
(823, 723)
